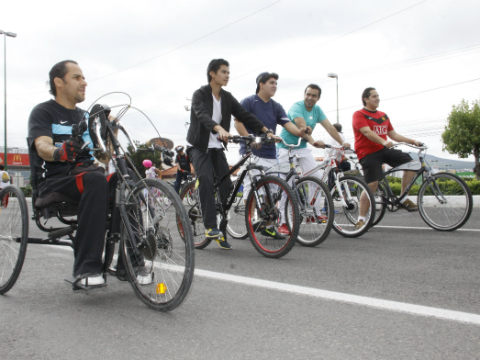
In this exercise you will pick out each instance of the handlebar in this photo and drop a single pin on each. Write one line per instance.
(159, 148)
(292, 146)
(421, 147)
(236, 139)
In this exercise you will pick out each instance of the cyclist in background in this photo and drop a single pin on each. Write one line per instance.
(344, 165)
(183, 166)
(152, 171)
(371, 128)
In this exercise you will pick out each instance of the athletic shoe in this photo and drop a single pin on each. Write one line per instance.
(360, 224)
(410, 205)
(271, 232)
(143, 276)
(213, 233)
(93, 280)
(223, 243)
(320, 218)
(283, 229)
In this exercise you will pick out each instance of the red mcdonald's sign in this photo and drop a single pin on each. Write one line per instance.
(15, 159)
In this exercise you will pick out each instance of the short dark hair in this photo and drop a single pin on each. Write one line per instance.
(58, 70)
(315, 87)
(264, 80)
(214, 66)
(366, 94)
(338, 127)
(2, 167)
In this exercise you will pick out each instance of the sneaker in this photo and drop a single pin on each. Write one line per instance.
(143, 276)
(410, 205)
(223, 243)
(283, 229)
(271, 232)
(321, 218)
(360, 224)
(213, 233)
(93, 280)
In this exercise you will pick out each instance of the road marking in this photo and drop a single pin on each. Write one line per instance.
(418, 228)
(389, 305)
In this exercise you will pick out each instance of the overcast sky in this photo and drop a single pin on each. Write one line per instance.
(421, 56)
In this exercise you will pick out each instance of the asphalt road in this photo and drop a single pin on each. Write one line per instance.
(315, 303)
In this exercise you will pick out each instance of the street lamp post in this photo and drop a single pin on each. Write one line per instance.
(333, 75)
(5, 33)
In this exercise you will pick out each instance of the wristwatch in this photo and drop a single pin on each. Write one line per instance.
(269, 131)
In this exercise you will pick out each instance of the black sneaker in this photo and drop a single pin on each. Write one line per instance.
(273, 233)
(223, 243)
(259, 225)
(213, 233)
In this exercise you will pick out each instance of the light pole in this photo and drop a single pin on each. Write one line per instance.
(333, 75)
(5, 33)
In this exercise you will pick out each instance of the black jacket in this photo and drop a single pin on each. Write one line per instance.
(201, 123)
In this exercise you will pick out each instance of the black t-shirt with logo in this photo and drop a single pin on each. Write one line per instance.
(183, 161)
(54, 120)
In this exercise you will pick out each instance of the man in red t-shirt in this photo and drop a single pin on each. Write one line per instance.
(371, 128)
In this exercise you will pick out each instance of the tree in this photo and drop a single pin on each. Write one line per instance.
(139, 156)
(462, 133)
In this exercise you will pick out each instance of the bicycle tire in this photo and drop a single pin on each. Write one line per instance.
(168, 258)
(451, 211)
(264, 244)
(13, 235)
(346, 218)
(314, 230)
(236, 227)
(194, 213)
(380, 203)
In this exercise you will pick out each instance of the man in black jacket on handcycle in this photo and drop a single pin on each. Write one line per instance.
(210, 118)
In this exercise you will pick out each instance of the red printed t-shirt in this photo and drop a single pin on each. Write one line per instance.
(377, 121)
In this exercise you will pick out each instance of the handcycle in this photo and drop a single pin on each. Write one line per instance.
(312, 194)
(444, 200)
(160, 241)
(261, 208)
(346, 191)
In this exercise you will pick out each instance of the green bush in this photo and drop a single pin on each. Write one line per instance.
(27, 191)
(474, 186)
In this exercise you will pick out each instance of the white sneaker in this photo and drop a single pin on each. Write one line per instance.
(93, 280)
(144, 277)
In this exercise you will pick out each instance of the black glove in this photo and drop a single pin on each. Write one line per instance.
(69, 150)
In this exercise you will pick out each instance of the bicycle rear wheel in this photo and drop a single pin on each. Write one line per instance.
(380, 203)
(159, 252)
(191, 201)
(262, 230)
(351, 188)
(448, 207)
(315, 223)
(236, 218)
(13, 235)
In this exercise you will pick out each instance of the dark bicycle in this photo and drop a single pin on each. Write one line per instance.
(261, 207)
(148, 235)
(444, 200)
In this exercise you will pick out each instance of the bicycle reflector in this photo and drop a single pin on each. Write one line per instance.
(161, 288)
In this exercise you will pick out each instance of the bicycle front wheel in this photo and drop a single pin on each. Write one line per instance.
(351, 191)
(316, 211)
(191, 201)
(157, 246)
(262, 222)
(446, 202)
(13, 235)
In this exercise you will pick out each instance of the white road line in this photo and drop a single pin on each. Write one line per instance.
(389, 305)
(418, 228)
(347, 298)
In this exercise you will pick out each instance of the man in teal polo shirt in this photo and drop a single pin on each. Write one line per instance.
(306, 114)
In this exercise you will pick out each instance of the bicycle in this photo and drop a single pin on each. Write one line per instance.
(311, 194)
(261, 208)
(346, 191)
(160, 242)
(444, 200)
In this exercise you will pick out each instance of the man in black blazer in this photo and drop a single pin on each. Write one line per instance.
(210, 118)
